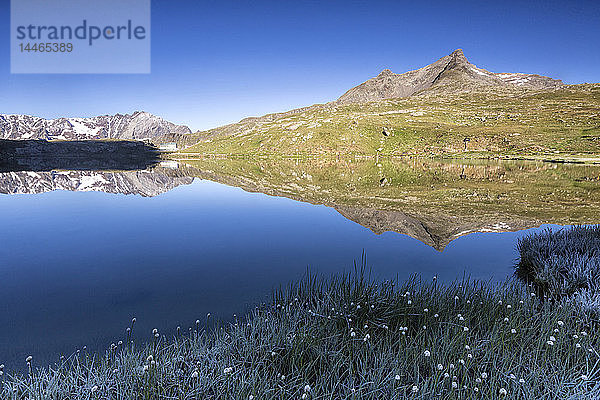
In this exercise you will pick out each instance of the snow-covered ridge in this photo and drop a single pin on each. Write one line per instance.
(515, 78)
(139, 125)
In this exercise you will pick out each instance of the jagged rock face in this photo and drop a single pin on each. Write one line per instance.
(139, 125)
(143, 183)
(451, 69)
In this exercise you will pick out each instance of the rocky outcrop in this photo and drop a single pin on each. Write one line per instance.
(453, 70)
(139, 125)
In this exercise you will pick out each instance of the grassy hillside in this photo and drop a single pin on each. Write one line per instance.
(515, 123)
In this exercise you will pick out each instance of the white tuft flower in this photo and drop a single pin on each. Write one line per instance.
(508, 306)
(512, 376)
(521, 380)
(352, 334)
(484, 375)
(478, 380)
(560, 323)
(304, 396)
(195, 375)
(150, 358)
(367, 337)
(552, 338)
(550, 343)
(513, 331)
(436, 315)
(466, 329)
(440, 367)
(250, 397)
(397, 377)
(502, 392)
(409, 302)
(425, 310)
(307, 388)
(415, 389)
(454, 385)
(446, 375)
(577, 346)
(273, 354)
(476, 389)
(228, 370)
(427, 353)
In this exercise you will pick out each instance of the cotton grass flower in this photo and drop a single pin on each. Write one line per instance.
(397, 377)
(427, 353)
(502, 392)
(307, 388)
(440, 367)
(228, 370)
(415, 389)
(195, 374)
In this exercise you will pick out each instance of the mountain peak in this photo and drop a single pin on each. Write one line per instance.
(450, 73)
(385, 72)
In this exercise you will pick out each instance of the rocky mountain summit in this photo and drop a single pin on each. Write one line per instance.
(453, 71)
(139, 125)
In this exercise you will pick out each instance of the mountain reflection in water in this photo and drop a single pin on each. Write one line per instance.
(430, 200)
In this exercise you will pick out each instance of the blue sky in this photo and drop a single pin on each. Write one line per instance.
(215, 62)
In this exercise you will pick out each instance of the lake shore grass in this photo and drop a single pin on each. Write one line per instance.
(349, 337)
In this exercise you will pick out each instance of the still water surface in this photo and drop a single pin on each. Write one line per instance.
(76, 266)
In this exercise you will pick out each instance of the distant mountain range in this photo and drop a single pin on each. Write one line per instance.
(139, 125)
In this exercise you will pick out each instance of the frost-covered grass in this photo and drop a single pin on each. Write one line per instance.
(350, 338)
(564, 264)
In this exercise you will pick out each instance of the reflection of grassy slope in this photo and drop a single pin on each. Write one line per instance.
(533, 191)
(511, 124)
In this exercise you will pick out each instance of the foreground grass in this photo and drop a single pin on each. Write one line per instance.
(350, 338)
(564, 265)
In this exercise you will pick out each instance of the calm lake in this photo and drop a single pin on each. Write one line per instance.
(83, 252)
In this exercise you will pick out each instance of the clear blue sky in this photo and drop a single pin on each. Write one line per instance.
(215, 62)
